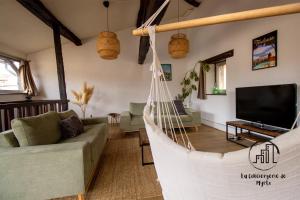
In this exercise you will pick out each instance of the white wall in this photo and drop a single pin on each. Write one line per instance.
(121, 81)
(212, 40)
(117, 82)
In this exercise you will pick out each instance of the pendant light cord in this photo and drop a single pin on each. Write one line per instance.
(178, 15)
(106, 5)
(107, 27)
(177, 10)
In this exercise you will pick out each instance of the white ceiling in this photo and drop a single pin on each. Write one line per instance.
(22, 31)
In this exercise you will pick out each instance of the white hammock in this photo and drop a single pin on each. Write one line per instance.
(187, 174)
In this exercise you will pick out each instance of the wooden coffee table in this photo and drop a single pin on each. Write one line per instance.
(144, 141)
(247, 138)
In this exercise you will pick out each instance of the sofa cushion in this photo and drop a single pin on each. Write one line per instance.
(94, 120)
(89, 134)
(164, 108)
(98, 144)
(37, 130)
(136, 108)
(71, 127)
(8, 139)
(184, 118)
(137, 120)
(66, 114)
(96, 136)
(179, 107)
(45, 171)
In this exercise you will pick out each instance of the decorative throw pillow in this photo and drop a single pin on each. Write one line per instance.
(37, 130)
(71, 127)
(180, 108)
(66, 114)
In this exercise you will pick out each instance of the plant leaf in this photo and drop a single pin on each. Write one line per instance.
(191, 75)
(188, 81)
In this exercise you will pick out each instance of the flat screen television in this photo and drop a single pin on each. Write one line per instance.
(274, 105)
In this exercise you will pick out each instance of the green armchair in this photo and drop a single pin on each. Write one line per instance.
(132, 120)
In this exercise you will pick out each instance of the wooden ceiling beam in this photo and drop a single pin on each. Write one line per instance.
(60, 66)
(38, 9)
(193, 3)
(147, 9)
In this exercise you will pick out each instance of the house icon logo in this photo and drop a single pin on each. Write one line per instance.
(264, 156)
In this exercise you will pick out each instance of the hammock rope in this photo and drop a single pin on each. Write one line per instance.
(187, 174)
(160, 93)
(160, 99)
(153, 17)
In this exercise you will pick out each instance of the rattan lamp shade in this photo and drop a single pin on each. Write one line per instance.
(178, 45)
(108, 45)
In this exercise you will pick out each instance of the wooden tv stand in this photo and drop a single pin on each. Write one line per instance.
(245, 136)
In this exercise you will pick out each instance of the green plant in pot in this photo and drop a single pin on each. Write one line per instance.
(190, 80)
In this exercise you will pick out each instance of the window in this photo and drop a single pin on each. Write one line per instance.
(9, 79)
(216, 78)
(220, 81)
(215, 81)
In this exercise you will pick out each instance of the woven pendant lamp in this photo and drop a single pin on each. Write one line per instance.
(108, 45)
(179, 45)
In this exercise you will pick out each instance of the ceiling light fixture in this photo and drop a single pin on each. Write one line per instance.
(108, 45)
(179, 44)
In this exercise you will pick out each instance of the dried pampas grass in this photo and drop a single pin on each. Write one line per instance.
(83, 97)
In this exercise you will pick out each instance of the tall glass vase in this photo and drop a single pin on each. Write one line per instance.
(83, 110)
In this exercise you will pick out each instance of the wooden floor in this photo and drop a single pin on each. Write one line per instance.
(121, 175)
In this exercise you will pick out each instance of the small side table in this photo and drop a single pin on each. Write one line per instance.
(113, 118)
(144, 141)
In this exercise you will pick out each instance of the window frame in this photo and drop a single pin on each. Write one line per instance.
(11, 92)
(216, 73)
(218, 59)
(215, 76)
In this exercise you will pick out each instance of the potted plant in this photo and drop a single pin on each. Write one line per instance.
(190, 80)
(83, 97)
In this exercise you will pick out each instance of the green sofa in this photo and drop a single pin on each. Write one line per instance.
(132, 120)
(47, 171)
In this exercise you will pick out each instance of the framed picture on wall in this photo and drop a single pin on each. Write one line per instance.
(264, 51)
(167, 69)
